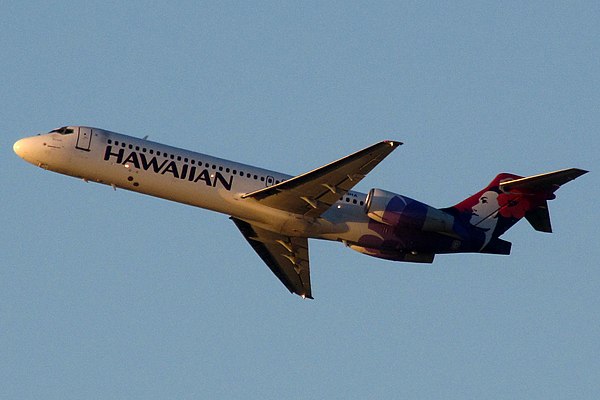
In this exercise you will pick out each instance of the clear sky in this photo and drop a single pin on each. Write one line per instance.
(115, 295)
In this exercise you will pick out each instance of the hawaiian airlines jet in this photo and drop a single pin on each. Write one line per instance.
(278, 213)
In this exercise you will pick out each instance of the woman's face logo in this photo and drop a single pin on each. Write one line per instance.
(487, 208)
(484, 214)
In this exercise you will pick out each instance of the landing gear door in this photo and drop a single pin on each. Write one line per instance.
(84, 138)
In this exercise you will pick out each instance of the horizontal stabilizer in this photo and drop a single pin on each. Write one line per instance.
(539, 218)
(550, 181)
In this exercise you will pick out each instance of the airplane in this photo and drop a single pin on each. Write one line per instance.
(277, 213)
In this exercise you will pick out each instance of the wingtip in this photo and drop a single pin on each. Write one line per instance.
(393, 143)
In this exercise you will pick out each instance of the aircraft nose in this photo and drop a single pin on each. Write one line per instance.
(19, 148)
(28, 149)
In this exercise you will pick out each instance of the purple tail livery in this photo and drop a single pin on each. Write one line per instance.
(408, 230)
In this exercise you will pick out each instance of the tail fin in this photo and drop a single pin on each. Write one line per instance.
(538, 215)
(508, 198)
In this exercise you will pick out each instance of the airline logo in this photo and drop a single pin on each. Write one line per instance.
(184, 171)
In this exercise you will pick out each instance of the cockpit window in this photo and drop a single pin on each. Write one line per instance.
(65, 130)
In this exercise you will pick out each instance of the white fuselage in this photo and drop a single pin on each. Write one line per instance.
(186, 177)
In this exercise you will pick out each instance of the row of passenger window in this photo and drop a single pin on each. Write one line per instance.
(186, 160)
(354, 201)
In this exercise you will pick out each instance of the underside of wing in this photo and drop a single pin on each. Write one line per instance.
(286, 256)
(312, 193)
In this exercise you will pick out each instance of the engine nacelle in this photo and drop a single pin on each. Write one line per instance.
(403, 212)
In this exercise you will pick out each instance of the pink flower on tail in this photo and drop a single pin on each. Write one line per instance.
(513, 205)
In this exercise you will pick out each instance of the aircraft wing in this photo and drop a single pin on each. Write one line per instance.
(286, 256)
(312, 193)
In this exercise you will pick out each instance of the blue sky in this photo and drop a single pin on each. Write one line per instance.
(109, 294)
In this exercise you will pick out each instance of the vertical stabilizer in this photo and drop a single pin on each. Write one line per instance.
(508, 198)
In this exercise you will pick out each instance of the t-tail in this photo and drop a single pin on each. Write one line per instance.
(486, 215)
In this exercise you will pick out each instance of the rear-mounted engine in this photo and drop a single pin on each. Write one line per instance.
(403, 212)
